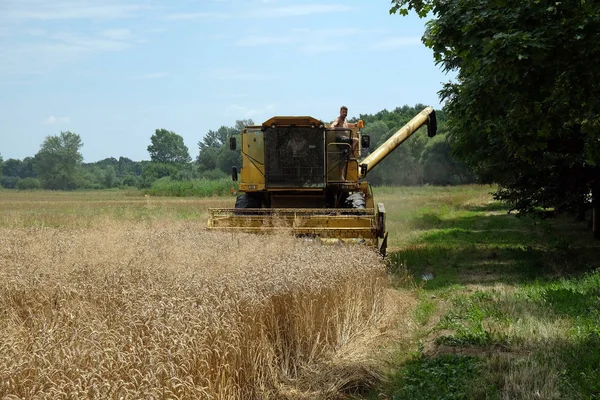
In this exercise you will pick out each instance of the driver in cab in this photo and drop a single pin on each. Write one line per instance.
(341, 123)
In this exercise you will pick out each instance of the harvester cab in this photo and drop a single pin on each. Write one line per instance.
(300, 175)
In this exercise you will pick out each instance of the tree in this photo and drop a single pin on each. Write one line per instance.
(376, 131)
(168, 147)
(28, 184)
(440, 168)
(110, 177)
(127, 166)
(214, 148)
(523, 110)
(28, 168)
(58, 161)
(12, 167)
(19, 169)
(155, 170)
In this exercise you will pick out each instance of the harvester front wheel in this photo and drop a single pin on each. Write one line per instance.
(246, 200)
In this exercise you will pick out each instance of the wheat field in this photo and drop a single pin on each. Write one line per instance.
(161, 308)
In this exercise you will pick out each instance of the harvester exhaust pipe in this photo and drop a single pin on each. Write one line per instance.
(427, 116)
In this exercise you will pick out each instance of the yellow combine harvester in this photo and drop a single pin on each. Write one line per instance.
(299, 175)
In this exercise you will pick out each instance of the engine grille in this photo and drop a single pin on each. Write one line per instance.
(295, 157)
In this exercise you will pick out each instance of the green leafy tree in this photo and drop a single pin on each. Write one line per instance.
(28, 184)
(18, 168)
(28, 168)
(376, 131)
(58, 161)
(130, 180)
(110, 177)
(168, 147)
(214, 148)
(9, 182)
(127, 166)
(207, 157)
(12, 167)
(440, 167)
(155, 170)
(523, 110)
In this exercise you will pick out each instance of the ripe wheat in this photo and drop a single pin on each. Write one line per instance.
(169, 310)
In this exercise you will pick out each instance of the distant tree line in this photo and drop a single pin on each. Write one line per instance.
(59, 165)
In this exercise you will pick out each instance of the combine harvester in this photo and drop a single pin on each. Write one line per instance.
(298, 176)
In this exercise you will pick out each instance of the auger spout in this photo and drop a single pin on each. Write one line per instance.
(425, 117)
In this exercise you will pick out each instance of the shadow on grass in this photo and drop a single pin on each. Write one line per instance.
(470, 342)
(483, 247)
(469, 375)
(494, 206)
(476, 222)
(574, 303)
(490, 248)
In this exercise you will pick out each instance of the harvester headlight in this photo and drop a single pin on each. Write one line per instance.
(273, 126)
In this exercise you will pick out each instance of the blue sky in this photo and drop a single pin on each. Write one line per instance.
(114, 71)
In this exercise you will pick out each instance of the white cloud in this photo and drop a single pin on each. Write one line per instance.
(249, 112)
(42, 54)
(342, 32)
(81, 43)
(156, 30)
(116, 34)
(22, 10)
(195, 16)
(236, 74)
(300, 36)
(151, 75)
(52, 120)
(37, 47)
(250, 41)
(37, 32)
(397, 42)
(298, 10)
(321, 48)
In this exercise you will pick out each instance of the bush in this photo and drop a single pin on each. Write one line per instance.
(200, 188)
(214, 174)
(28, 184)
(129, 180)
(9, 182)
(154, 171)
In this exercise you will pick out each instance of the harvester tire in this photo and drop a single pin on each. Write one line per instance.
(247, 201)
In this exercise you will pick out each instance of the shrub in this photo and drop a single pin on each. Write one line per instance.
(200, 188)
(214, 174)
(130, 180)
(9, 182)
(28, 184)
